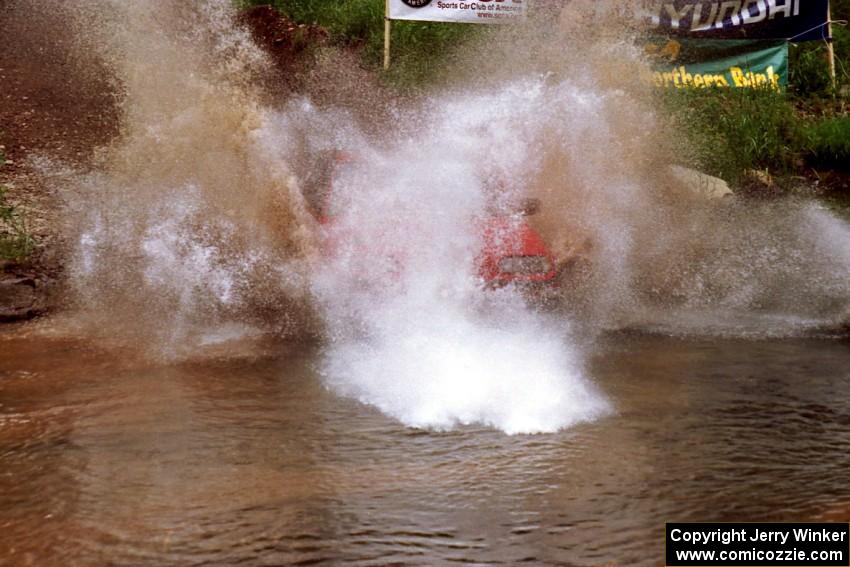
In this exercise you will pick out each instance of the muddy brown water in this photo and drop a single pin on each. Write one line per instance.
(243, 457)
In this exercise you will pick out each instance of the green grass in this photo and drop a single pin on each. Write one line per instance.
(732, 130)
(15, 241)
(419, 49)
(808, 70)
(827, 143)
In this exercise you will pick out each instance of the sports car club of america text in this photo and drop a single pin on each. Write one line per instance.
(491, 5)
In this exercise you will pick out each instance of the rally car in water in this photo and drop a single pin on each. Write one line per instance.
(513, 253)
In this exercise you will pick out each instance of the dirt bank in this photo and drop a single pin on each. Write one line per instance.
(57, 104)
(61, 102)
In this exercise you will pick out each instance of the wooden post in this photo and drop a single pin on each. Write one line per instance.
(387, 34)
(830, 48)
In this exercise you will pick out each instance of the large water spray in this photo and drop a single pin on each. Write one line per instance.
(195, 217)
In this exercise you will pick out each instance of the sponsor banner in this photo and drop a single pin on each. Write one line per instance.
(469, 11)
(795, 20)
(680, 63)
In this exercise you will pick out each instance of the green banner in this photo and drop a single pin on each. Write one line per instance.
(718, 63)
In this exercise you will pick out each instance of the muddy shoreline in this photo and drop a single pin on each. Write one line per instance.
(62, 104)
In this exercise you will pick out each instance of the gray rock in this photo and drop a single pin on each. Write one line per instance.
(19, 298)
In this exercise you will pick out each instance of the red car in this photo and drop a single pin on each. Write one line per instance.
(512, 254)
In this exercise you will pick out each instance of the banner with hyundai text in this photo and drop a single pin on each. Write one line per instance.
(477, 12)
(794, 20)
(687, 63)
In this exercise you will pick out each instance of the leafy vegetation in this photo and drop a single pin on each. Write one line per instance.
(15, 240)
(361, 23)
(828, 143)
(809, 73)
(783, 132)
(739, 129)
(731, 130)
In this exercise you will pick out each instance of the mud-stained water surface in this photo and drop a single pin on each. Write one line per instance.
(244, 457)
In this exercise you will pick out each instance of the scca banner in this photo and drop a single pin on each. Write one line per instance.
(795, 20)
(477, 11)
(719, 63)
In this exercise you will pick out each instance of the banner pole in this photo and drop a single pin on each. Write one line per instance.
(830, 48)
(387, 34)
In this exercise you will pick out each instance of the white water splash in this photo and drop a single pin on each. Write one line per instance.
(442, 365)
(418, 337)
(195, 219)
